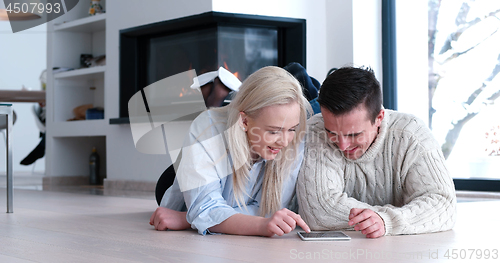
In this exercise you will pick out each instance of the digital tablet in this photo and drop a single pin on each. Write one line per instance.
(324, 236)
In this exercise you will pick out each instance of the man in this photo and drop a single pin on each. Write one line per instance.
(377, 171)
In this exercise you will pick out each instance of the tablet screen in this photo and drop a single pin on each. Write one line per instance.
(324, 235)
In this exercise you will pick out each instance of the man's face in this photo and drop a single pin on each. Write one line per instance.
(352, 132)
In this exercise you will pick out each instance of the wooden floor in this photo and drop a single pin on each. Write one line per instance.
(64, 227)
(49, 226)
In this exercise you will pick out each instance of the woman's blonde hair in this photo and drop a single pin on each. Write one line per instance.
(266, 87)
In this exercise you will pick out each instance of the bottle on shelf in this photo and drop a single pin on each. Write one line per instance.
(94, 177)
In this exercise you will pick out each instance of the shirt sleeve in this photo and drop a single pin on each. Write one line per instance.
(207, 207)
(289, 199)
(207, 204)
(201, 174)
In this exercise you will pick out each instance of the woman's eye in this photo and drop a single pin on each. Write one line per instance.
(273, 132)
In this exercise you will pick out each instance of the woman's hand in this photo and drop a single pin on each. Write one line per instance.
(164, 219)
(283, 222)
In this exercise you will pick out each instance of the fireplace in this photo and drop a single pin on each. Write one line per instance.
(240, 43)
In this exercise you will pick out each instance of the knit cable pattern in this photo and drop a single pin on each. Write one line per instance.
(402, 177)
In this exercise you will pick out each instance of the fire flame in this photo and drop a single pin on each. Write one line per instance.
(236, 74)
(185, 92)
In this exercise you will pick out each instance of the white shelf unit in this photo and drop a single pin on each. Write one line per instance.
(72, 155)
(86, 25)
(80, 128)
(81, 74)
(70, 142)
(75, 88)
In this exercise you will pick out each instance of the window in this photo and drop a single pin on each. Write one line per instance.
(464, 86)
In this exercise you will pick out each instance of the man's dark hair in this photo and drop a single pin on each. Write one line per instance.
(347, 87)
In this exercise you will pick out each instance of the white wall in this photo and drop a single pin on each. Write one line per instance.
(354, 34)
(23, 56)
(124, 161)
(339, 33)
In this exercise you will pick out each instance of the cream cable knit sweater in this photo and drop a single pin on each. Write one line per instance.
(402, 177)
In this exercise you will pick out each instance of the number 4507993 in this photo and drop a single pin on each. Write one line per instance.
(35, 8)
(471, 254)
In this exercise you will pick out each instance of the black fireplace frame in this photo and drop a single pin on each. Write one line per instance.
(291, 45)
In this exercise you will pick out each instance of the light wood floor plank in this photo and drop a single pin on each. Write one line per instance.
(65, 227)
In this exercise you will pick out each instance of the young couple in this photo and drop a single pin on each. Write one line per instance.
(240, 164)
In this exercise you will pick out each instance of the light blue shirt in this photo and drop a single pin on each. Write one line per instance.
(211, 202)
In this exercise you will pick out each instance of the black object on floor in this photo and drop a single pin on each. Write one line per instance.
(164, 182)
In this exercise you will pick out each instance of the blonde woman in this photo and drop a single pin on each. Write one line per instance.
(238, 171)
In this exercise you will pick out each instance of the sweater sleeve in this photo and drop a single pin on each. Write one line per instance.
(423, 191)
(323, 204)
(428, 195)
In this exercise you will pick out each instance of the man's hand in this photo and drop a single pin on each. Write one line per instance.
(164, 219)
(367, 221)
(283, 222)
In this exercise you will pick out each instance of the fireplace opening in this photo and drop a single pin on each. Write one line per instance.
(240, 43)
(240, 50)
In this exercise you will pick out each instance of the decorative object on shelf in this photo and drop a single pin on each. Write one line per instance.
(85, 60)
(80, 112)
(95, 8)
(96, 113)
(90, 61)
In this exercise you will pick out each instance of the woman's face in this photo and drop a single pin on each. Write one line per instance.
(271, 130)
